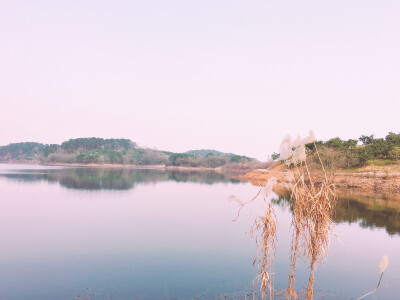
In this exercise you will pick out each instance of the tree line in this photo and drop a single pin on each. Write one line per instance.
(116, 151)
(355, 153)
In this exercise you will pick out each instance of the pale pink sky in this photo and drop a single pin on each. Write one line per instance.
(236, 76)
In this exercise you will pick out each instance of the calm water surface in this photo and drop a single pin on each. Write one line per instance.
(70, 233)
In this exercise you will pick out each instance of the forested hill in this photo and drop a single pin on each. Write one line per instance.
(205, 152)
(116, 151)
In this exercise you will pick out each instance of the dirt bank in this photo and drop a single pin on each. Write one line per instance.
(379, 182)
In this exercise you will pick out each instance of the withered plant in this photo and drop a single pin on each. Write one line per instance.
(312, 203)
(266, 249)
(264, 233)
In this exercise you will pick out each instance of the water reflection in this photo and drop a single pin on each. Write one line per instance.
(113, 178)
(368, 212)
(168, 240)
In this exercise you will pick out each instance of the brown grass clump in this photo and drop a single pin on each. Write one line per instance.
(312, 206)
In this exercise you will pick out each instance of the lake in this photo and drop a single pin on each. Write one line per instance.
(116, 233)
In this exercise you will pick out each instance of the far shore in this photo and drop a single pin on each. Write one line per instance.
(161, 167)
(384, 185)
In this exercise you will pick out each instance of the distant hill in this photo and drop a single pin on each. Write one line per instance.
(206, 152)
(94, 150)
(21, 151)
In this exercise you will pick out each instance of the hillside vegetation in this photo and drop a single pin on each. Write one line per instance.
(356, 153)
(119, 151)
(367, 164)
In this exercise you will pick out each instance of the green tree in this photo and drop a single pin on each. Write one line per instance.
(395, 153)
(275, 156)
(380, 148)
(355, 158)
(48, 149)
(350, 143)
(367, 139)
(392, 139)
(334, 143)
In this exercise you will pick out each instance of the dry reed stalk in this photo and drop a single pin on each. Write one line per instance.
(290, 291)
(264, 232)
(312, 207)
(265, 227)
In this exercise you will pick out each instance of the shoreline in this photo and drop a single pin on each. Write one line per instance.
(160, 167)
(83, 165)
(103, 165)
(385, 185)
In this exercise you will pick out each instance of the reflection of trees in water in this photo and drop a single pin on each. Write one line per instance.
(93, 179)
(25, 177)
(359, 210)
(115, 178)
(371, 216)
(207, 177)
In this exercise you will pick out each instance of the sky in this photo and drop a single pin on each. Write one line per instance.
(236, 76)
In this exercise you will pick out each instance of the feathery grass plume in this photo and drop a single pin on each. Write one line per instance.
(294, 151)
(383, 264)
(312, 205)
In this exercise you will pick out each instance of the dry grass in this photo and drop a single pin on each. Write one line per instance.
(312, 201)
(312, 207)
(290, 291)
(264, 232)
(266, 248)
